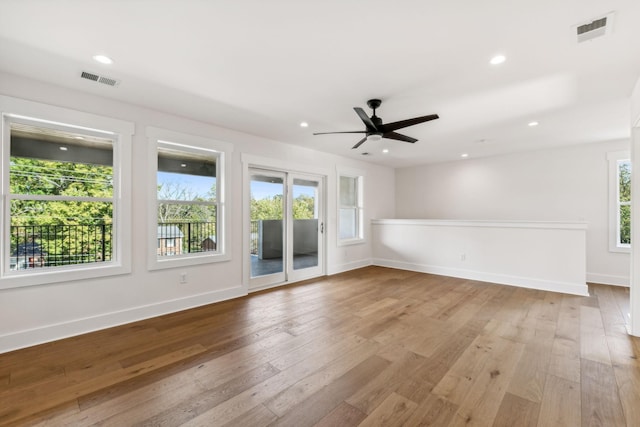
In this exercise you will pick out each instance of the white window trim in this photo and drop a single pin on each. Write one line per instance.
(123, 130)
(223, 182)
(351, 173)
(614, 211)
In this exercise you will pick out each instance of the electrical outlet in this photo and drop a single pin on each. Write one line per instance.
(463, 257)
(183, 277)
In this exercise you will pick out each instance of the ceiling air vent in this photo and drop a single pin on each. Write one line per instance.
(100, 79)
(595, 28)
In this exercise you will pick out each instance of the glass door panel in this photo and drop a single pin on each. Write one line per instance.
(306, 227)
(286, 227)
(267, 239)
(305, 223)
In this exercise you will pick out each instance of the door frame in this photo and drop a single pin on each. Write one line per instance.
(250, 161)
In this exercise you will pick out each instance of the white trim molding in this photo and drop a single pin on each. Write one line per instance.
(53, 332)
(614, 159)
(58, 118)
(199, 145)
(348, 266)
(609, 279)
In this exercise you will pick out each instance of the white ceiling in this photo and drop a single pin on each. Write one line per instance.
(262, 67)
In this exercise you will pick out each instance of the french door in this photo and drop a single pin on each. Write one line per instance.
(287, 227)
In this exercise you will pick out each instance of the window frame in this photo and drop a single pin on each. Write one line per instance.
(159, 137)
(17, 110)
(359, 207)
(615, 158)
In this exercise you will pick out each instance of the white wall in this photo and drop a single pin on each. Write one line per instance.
(42, 313)
(566, 184)
(549, 256)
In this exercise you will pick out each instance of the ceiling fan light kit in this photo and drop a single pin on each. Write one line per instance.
(375, 130)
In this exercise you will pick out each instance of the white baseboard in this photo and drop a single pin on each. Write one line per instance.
(482, 276)
(608, 279)
(354, 265)
(85, 325)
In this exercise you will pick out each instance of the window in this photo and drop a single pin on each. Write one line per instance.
(350, 215)
(624, 202)
(64, 212)
(619, 201)
(187, 224)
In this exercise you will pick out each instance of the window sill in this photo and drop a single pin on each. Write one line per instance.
(350, 242)
(186, 261)
(17, 279)
(620, 249)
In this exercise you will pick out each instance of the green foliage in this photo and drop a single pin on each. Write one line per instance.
(42, 177)
(625, 224)
(68, 231)
(197, 221)
(266, 208)
(303, 207)
(625, 181)
(624, 187)
(171, 208)
(271, 208)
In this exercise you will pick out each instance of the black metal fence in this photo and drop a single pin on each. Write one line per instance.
(34, 246)
(175, 238)
(253, 242)
(37, 246)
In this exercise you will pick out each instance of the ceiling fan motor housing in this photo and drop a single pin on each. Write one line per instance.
(374, 103)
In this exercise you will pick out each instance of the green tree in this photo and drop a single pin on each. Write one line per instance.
(624, 185)
(77, 229)
(303, 207)
(178, 205)
(271, 208)
(43, 177)
(171, 209)
(266, 208)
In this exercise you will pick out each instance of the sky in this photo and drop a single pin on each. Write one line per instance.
(261, 190)
(200, 185)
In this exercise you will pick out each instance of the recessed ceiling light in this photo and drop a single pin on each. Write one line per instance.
(385, 151)
(63, 148)
(534, 123)
(103, 59)
(498, 59)
(304, 124)
(464, 155)
(183, 165)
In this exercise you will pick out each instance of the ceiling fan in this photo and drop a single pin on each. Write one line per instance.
(375, 129)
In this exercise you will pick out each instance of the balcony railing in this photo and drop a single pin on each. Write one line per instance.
(34, 246)
(175, 238)
(38, 246)
(253, 242)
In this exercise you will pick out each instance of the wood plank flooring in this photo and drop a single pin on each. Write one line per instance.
(371, 347)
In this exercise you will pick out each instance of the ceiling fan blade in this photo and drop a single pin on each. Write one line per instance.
(367, 121)
(399, 137)
(359, 143)
(388, 127)
(328, 133)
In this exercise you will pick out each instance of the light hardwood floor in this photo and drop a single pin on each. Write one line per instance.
(370, 347)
